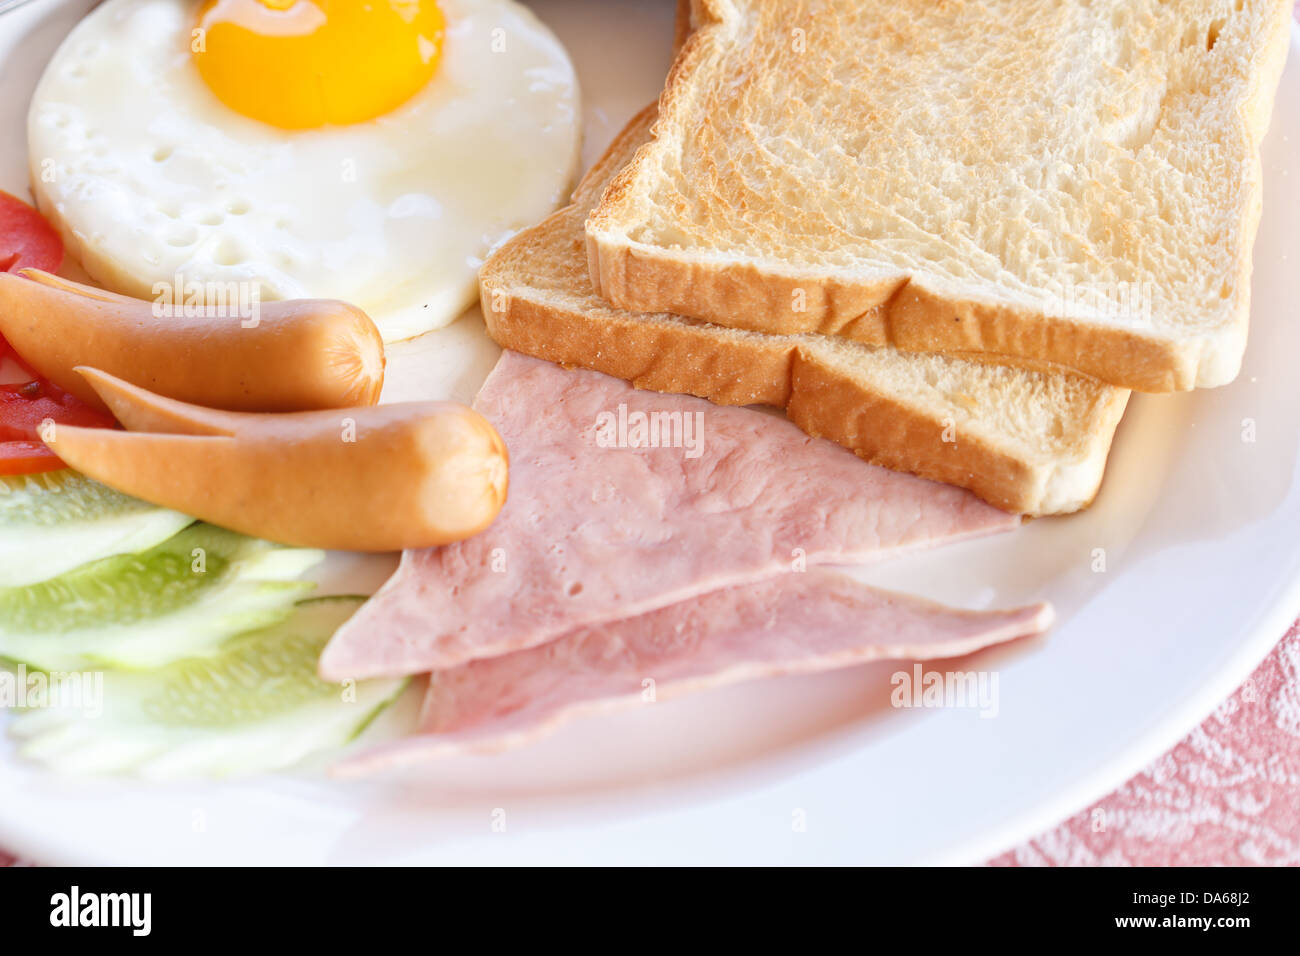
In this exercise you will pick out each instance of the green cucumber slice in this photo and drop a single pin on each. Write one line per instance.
(52, 522)
(178, 599)
(255, 706)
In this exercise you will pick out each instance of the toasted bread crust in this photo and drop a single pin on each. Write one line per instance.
(894, 313)
(904, 309)
(556, 317)
(681, 24)
(817, 398)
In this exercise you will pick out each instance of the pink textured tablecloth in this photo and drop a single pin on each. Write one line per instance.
(1228, 794)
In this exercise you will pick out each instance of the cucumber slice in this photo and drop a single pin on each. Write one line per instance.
(179, 599)
(52, 522)
(255, 706)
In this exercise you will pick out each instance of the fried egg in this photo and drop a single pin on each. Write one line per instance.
(366, 150)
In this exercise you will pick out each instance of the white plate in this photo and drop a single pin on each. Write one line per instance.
(1200, 531)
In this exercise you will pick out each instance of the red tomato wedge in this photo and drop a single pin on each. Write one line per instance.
(30, 413)
(29, 408)
(27, 241)
(26, 458)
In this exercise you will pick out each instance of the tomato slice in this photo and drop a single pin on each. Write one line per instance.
(32, 411)
(27, 241)
(27, 458)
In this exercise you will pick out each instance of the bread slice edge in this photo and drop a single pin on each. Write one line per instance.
(798, 373)
(907, 311)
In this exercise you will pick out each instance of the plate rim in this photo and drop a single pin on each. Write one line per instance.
(1270, 625)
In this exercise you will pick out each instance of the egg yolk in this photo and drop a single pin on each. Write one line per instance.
(298, 64)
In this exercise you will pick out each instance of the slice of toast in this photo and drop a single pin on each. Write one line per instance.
(1070, 181)
(1028, 441)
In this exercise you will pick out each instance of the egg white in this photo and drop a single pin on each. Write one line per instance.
(151, 179)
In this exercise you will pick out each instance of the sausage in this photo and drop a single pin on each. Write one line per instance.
(295, 355)
(375, 478)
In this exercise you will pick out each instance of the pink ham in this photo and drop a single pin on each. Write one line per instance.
(592, 533)
(793, 623)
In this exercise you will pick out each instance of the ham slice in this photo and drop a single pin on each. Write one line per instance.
(595, 530)
(793, 623)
